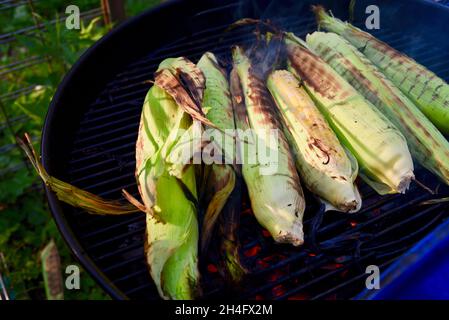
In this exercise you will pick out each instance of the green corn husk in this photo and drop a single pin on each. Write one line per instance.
(429, 92)
(326, 169)
(277, 198)
(427, 145)
(381, 150)
(72, 195)
(224, 199)
(221, 178)
(172, 227)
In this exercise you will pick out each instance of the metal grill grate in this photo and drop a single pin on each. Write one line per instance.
(330, 266)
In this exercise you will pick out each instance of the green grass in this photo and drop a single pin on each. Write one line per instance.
(26, 225)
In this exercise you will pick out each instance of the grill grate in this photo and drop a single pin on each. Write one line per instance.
(338, 248)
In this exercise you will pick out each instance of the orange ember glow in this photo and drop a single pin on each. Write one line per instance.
(278, 291)
(252, 251)
(212, 268)
(265, 233)
(263, 264)
(298, 296)
(275, 275)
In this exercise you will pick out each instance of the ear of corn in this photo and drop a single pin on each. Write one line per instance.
(277, 199)
(223, 200)
(172, 227)
(323, 164)
(426, 143)
(381, 150)
(429, 92)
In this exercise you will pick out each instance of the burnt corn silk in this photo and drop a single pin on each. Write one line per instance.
(276, 198)
(427, 145)
(429, 92)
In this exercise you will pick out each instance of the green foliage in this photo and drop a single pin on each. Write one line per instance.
(26, 225)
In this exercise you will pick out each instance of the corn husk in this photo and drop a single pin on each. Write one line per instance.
(71, 194)
(172, 227)
(223, 198)
(326, 169)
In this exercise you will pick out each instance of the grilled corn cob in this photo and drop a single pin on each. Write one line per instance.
(381, 150)
(276, 199)
(427, 145)
(429, 92)
(324, 166)
(223, 181)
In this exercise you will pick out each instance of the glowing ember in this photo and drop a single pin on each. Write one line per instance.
(343, 259)
(263, 264)
(278, 291)
(299, 296)
(252, 251)
(212, 268)
(344, 273)
(353, 224)
(332, 266)
(274, 258)
(275, 275)
(266, 234)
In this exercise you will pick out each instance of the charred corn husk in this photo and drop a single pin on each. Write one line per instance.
(72, 195)
(172, 228)
(223, 199)
(172, 75)
(381, 150)
(427, 145)
(429, 92)
(323, 164)
(217, 102)
(228, 231)
(276, 197)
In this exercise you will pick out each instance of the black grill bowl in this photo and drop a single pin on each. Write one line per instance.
(91, 129)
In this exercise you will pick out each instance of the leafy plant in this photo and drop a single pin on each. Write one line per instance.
(26, 225)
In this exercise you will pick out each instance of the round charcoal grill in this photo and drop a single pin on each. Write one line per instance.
(91, 129)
